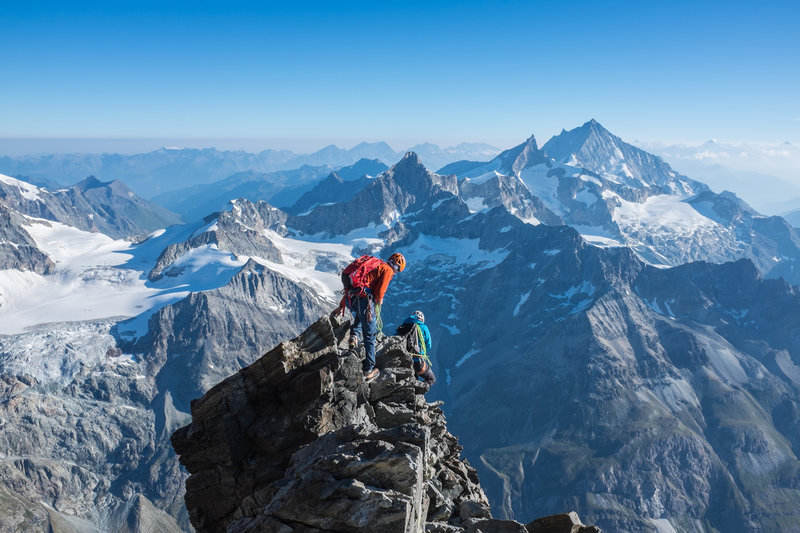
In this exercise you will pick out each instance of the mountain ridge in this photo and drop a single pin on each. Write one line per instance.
(160, 171)
(631, 376)
(334, 452)
(106, 207)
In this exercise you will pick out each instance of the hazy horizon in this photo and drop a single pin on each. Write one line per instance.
(127, 146)
(33, 146)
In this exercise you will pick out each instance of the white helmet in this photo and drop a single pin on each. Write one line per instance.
(419, 316)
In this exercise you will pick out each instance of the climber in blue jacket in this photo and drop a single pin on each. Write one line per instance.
(418, 342)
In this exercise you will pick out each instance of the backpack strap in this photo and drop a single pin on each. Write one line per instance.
(422, 347)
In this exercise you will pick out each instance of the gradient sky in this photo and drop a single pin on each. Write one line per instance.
(299, 72)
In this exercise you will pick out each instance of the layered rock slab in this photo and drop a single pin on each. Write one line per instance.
(298, 441)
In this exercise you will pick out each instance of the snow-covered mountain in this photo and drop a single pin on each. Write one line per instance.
(615, 194)
(576, 374)
(93, 339)
(91, 205)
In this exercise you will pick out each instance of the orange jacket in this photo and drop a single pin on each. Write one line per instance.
(378, 280)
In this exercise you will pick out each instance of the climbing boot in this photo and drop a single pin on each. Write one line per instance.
(353, 345)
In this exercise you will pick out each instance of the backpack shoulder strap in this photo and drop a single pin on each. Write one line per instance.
(421, 340)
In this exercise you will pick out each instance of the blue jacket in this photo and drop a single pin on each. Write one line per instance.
(426, 334)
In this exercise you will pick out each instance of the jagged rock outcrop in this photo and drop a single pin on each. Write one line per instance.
(242, 231)
(298, 442)
(404, 187)
(18, 251)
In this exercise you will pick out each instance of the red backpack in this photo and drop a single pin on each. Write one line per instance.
(354, 276)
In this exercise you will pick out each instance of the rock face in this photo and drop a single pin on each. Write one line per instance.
(298, 442)
(405, 187)
(91, 205)
(18, 251)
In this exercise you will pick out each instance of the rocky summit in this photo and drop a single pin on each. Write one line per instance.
(298, 441)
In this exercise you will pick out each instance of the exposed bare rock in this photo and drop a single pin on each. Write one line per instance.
(298, 441)
(560, 523)
(18, 251)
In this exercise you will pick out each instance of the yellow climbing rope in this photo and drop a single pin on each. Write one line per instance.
(378, 320)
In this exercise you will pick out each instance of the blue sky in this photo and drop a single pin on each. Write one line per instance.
(304, 74)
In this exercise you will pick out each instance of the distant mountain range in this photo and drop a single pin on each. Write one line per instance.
(169, 169)
(765, 176)
(792, 217)
(610, 335)
(91, 205)
(282, 188)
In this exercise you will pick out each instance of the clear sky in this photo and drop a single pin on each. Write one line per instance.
(295, 72)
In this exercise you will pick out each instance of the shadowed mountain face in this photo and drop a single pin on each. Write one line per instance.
(91, 205)
(618, 383)
(18, 251)
(576, 374)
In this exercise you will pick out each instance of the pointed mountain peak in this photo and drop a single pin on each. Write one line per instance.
(410, 160)
(592, 126)
(334, 177)
(570, 143)
(89, 183)
(521, 156)
(531, 143)
(331, 148)
(252, 266)
(362, 167)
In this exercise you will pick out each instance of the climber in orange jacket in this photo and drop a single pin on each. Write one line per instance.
(365, 282)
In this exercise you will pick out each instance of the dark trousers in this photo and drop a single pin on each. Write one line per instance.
(424, 370)
(365, 330)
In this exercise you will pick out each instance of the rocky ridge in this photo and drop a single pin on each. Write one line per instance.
(298, 442)
(18, 251)
(91, 205)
